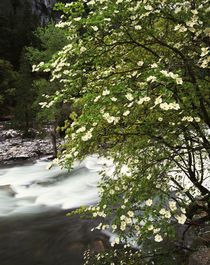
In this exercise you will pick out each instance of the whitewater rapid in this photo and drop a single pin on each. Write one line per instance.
(38, 189)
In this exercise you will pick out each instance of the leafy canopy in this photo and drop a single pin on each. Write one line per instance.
(139, 72)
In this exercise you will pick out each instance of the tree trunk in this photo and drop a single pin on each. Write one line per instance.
(53, 137)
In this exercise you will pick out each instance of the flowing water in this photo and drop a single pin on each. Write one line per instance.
(34, 228)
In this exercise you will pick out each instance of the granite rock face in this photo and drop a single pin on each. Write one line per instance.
(42, 8)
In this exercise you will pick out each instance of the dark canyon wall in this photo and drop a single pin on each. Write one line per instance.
(42, 8)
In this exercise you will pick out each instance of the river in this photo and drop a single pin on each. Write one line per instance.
(34, 201)
(34, 228)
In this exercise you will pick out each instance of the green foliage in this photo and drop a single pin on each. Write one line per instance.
(51, 39)
(139, 73)
(8, 86)
(25, 94)
(16, 32)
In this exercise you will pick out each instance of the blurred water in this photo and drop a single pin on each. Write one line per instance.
(34, 228)
(37, 188)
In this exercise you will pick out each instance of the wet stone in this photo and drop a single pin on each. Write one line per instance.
(8, 189)
(97, 246)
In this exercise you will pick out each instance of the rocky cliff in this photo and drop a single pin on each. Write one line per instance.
(42, 8)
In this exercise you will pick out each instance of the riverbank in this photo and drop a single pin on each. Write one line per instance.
(14, 148)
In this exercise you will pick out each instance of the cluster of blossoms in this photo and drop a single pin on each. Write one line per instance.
(149, 202)
(120, 254)
(190, 119)
(142, 100)
(151, 79)
(97, 98)
(111, 119)
(71, 154)
(178, 79)
(81, 129)
(126, 113)
(129, 96)
(167, 214)
(87, 136)
(36, 68)
(43, 104)
(158, 238)
(158, 100)
(169, 106)
(105, 92)
(204, 62)
(181, 219)
(63, 24)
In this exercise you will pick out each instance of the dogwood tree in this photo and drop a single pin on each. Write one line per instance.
(139, 72)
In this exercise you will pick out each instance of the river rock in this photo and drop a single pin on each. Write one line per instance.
(11, 134)
(8, 189)
(97, 246)
(14, 147)
(200, 257)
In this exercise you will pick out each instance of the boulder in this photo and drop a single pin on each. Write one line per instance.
(8, 189)
(200, 257)
(97, 246)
